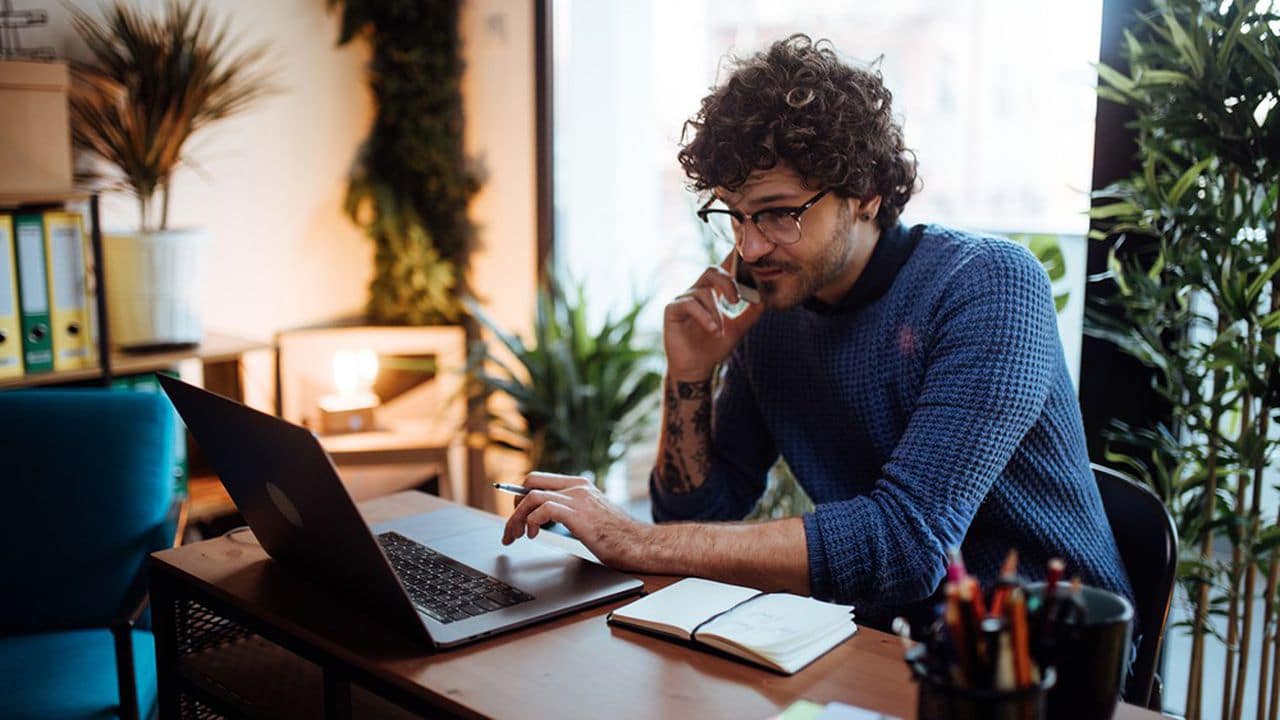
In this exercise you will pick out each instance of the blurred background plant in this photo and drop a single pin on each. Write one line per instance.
(583, 394)
(154, 81)
(1048, 250)
(411, 183)
(1194, 261)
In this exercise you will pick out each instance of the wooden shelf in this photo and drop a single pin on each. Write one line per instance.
(209, 499)
(16, 200)
(215, 348)
(411, 438)
(50, 378)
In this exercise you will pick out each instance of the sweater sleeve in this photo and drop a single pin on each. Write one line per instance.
(742, 451)
(989, 356)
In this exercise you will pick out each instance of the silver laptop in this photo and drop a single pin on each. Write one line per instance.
(442, 576)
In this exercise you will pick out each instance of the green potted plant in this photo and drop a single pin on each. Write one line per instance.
(1195, 261)
(584, 395)
(151, 84)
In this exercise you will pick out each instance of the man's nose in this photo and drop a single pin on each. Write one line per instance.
(754, 244)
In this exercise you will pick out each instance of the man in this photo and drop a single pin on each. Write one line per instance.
(912, 378)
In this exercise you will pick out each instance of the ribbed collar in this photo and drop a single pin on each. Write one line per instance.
(891, 252)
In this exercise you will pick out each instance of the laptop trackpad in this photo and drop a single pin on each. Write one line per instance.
(476, 540)
(442, 523)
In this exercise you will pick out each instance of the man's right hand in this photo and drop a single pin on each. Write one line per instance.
(696, 334)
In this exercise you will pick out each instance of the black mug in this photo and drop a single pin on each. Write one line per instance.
(938, 699)
(1091, 655)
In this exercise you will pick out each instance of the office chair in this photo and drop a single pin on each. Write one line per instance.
(1148, 543)
(87, 479)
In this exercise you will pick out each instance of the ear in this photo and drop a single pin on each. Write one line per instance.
(868, 209)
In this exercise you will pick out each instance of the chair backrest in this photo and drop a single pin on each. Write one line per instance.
(1148, 542)
(87, 480)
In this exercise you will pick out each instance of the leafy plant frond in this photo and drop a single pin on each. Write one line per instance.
(410, 183)
(584, 393)
(152, 83)
(1193, 267)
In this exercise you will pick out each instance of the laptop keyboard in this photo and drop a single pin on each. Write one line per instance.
(442, 587)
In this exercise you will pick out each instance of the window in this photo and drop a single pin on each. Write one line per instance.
(996, 97)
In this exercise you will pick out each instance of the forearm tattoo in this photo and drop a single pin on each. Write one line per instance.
(685, 459)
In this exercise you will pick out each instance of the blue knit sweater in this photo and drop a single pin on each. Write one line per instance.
(929, 409)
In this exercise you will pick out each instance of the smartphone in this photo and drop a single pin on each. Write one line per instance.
(747, 291)
(742, 278)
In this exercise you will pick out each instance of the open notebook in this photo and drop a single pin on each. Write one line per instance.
(780, 631)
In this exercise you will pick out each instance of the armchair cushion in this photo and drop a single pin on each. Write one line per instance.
(88, 482)
(61, 675)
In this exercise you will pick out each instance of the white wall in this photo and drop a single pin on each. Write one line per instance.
(270, 181)
(498, 102)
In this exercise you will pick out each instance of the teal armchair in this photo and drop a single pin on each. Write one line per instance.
(86, 478)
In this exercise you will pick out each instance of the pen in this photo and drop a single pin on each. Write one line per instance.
(1072, 611)
(992, 631)
(1056, 569)
(1052, 596)
(1008, 580)
(973, 590)
(1005, 677)
(1019, 638)
(955, 566)
(975, 648)
(513, 489)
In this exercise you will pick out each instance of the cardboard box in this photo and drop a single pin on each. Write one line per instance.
(35, 133)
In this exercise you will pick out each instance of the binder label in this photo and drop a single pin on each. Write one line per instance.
(35, 294)
(67, 261)
(6, 271)
(10, 315)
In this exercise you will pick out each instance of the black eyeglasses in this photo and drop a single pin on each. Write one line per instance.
(778, 225)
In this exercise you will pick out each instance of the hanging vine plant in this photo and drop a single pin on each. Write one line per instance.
(411, 183)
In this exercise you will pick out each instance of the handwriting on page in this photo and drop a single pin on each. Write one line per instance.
(758, 626)
(777, 619)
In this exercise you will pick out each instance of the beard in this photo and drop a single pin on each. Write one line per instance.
(801, 282)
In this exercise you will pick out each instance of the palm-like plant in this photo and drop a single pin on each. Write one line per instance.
(584, 395)
(152, 84)
(1199, 303)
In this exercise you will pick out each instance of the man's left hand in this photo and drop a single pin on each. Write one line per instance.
(617, 539)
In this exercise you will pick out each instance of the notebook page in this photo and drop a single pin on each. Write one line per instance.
(786, 629)
(685, 604)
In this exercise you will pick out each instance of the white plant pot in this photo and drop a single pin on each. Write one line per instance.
(153, 286)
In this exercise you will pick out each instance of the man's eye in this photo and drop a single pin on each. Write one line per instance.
(775, 218)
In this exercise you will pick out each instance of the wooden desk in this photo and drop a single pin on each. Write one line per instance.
(221, 607)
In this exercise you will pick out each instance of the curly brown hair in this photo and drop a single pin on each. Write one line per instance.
(797, 103)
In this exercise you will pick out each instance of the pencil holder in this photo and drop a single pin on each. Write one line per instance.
(941, 700)
(1091, 655)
